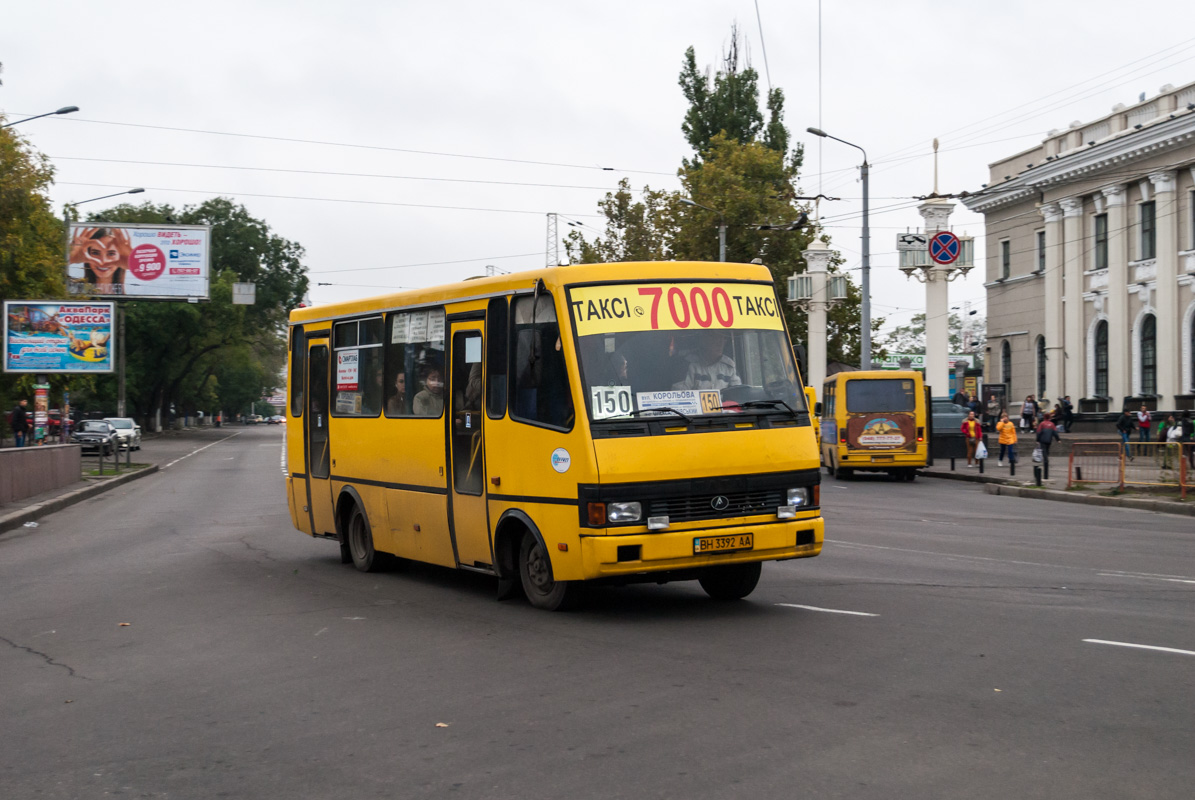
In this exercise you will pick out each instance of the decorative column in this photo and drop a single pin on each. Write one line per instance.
(1120, 384)
(817, 259)
(1166, 291)
(936, 214)
(1073, 338)
(1052, 316)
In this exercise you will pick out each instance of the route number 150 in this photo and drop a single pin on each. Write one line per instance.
(610, 401)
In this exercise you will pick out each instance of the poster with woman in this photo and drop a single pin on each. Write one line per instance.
(142, 261)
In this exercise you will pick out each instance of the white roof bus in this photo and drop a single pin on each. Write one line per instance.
(639, 422)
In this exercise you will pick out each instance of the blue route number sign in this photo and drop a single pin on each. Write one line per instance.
(944, 248)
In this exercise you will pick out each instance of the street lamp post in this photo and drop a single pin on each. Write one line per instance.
(865, 322)
(63, 110)
(721, 226)
(120, 358)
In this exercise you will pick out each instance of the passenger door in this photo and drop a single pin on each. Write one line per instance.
(319, 444)
(466, 447)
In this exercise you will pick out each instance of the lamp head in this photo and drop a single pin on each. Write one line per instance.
(135, 191)
(67, 110)
(816, 131)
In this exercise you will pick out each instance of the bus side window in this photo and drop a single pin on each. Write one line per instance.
(540, 391)
(497, 325)
(298, 369)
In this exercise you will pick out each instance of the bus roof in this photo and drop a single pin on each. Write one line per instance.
(875, 373)
(553, 277)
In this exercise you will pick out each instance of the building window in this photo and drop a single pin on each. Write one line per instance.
(1006, 363)
(1101, 359)
(1041, 251)
(1149, 356)
(1041, 366)
(1101, 241)
(1149, 231)
(1191, 217)
(1005, 258)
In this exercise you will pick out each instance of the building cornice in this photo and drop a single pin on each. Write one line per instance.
(1116, 152)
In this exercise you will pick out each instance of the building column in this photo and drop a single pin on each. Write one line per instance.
(1120, 370)
(1166, 287)
(1053, 305)
(1073, 335)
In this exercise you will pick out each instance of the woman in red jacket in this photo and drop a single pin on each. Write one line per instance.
(972, 433)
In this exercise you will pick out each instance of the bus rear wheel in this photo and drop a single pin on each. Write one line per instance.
(535, 572)
(360, 541)
(732, 582)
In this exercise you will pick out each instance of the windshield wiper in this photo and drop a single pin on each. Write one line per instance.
(651, 411)
(767, 403)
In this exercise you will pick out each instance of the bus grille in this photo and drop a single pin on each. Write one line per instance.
(741, 504)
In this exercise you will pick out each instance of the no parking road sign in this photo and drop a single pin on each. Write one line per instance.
(944, 248)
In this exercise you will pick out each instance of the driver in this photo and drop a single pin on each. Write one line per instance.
(709, 368)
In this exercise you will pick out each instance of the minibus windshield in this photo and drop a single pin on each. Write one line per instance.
(690, 349)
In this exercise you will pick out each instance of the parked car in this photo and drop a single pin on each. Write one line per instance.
(276, 420)
(128, 432)
(96, 435)
(948, 416)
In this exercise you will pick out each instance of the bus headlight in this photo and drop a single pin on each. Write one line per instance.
(623, 512)
(800, 497)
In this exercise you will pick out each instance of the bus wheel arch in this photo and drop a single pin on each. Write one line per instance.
(525, 561)
(512, 526)
(355, 532)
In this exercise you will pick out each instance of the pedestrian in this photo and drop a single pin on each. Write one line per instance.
(1047, 434)
(1008, 440)
(1170, 432)
(1125, 425)
(1143, 422)
(1187, 438)
(959, 399)
(1029, 413)
(973, 405)
(972, 434)
(1068, 414)
(20, 423)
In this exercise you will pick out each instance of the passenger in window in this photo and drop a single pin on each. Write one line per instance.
(397, 404)
(708, 365)
(430, 401)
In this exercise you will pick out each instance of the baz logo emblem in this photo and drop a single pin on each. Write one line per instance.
(720, 503)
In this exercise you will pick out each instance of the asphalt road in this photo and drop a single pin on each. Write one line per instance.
(939, 648)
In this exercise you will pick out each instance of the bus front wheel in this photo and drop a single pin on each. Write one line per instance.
(732, 582)
(535, 572)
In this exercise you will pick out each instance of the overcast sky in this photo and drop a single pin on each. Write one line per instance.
(440, 109)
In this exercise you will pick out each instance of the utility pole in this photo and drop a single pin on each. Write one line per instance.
(552, 251)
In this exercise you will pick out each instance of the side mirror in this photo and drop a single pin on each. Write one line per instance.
(817, 409)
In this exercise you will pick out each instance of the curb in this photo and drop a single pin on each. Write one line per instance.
(16, 519)
(1141, 503)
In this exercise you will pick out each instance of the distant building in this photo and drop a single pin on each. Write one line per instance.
(1091, 260)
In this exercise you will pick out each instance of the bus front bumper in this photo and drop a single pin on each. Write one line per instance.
(613, 555)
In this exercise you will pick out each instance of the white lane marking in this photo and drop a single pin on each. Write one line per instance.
(1143, 577)
(1143, 647)
(828, 610)
(201, 449)
(321, 630)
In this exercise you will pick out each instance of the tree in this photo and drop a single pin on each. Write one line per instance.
(31, 240)
(744, 172)
(192, 356)
(965, 337)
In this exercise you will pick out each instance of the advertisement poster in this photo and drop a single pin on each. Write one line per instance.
(149, 262)
(41, 410)
(882, 432)
(57, 337)
(346, 370)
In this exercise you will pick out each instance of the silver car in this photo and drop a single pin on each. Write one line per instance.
(128, 432)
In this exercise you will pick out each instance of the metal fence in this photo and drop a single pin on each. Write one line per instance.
(1119, 464)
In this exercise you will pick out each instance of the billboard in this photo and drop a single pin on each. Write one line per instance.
(56, 336)
(148, 262)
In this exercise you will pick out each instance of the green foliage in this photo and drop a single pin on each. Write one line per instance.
(212, 355)
(745, 173)
(911, 338)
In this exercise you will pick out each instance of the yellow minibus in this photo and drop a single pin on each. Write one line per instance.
(618, 423)
(874, 420)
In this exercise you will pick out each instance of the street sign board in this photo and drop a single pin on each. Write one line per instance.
(912, 241)
(944, 248)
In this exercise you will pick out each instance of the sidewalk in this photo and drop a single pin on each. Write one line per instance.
(1000, 480)
(31, 509)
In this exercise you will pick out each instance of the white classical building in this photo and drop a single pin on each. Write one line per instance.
(1090, 241)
